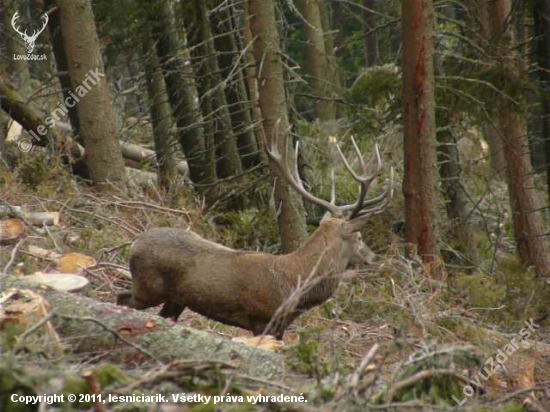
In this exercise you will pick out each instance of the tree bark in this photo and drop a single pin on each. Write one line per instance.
(103, 153)
(528, 225)
(419, 185)
(272, 101)
(229, 163)
(180, 84)
(317, 61)
(161, 118)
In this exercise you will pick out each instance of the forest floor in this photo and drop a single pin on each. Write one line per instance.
(392, 338)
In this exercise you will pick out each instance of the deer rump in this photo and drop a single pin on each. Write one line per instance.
(181, 269)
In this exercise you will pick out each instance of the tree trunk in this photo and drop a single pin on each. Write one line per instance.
(103, 153)
(181, 87)
(541, 14)
(526, 216)
(272, 101)
(161, 118)
(316, 60)
(369, 41)
(419, 185)
(229, 163)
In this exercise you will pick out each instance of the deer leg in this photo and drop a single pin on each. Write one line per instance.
(172, 310)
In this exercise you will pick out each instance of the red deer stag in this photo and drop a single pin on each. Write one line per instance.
(260, 292)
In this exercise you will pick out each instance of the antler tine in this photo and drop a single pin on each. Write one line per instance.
(333, 187)
(386, 197)
(359, 156)
(364, 181)
(293, 178)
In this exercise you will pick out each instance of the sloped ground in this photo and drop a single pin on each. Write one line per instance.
(392, 338)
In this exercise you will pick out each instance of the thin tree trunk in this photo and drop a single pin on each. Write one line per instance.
(161, 118)
(335, 75)
(316, 60)
(456, 201)
(420, 185)
(272, 101)
(3, 134)
(369, 41)
(103, 152)
(526, 216)
(180, 85)
(229, 163)
(230, 46)
(56, 39)
(252, 81)
(337, 23)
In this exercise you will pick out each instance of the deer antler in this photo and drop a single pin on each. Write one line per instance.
(359, 210)
(13, 24)
(294, 178)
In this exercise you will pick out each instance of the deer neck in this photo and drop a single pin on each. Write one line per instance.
(320, 260)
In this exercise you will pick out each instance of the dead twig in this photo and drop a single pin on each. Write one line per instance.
(13, 255)
(426, 374)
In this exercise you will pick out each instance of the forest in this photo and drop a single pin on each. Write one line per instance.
(274, 205)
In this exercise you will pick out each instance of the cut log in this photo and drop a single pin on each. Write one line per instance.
(11, 230)
(34, 218)
(140, 154)
(64, 282)
(74, 263)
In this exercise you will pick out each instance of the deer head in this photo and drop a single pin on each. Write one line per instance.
(29, 40)
(346, 221)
